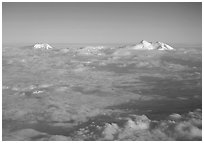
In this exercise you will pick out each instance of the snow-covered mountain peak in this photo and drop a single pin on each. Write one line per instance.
(42, 46)
(163, 46)
(145, 45)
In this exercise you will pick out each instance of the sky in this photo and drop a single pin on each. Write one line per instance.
(101, 22)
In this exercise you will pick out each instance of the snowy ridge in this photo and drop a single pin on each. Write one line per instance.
(145, 45)
(42, 46)
(163, 46)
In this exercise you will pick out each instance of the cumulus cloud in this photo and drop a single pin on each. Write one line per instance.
(175, 116)
(134, 127)
(110, 131)
(177, 127)
(186, 131)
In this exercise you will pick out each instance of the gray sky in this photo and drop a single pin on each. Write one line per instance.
(102, 22)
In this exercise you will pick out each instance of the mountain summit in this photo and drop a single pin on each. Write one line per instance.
(163, 46)
(42, 46)
(145, 45)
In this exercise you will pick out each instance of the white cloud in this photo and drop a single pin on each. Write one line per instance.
(110, 131)
(139, 128)
(175, 116)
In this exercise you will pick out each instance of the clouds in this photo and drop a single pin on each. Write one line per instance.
(31, 134)
(134, 127)
(187, 131)
(110, 131)
(176, 127)
(55, 91)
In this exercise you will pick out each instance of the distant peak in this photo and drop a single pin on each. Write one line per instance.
(145, 45)
(42, 46)
(144, 41)
(163, 46)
